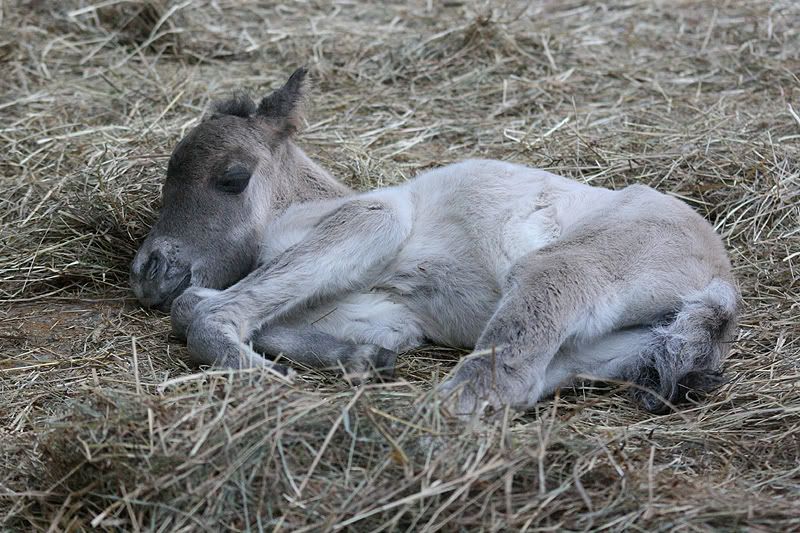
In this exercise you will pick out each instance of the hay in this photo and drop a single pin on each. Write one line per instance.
(103, 424)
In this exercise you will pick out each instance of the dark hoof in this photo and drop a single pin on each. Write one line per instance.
(384, 363)
(182, 311)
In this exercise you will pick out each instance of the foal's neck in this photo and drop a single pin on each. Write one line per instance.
(306, 180)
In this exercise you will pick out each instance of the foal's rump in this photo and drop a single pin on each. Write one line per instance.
(654, 304)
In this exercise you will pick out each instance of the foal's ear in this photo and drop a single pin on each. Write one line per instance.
(283, 108)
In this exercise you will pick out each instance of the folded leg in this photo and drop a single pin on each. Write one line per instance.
(560, 301)
(313, 348)
(334, 258)
(359, 334)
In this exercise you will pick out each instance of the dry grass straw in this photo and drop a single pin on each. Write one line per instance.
(102, 424)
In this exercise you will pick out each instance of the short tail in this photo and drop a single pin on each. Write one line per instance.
(686, 352)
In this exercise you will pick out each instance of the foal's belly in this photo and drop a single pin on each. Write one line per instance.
(450, 300)
(401, 322)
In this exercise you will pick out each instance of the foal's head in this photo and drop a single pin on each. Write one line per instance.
(225, 181)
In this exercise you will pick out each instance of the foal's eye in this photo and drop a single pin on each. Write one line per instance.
(234, 180)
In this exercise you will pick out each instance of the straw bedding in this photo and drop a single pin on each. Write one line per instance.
(104, 424)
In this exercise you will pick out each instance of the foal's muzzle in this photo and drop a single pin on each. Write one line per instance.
(158, 277)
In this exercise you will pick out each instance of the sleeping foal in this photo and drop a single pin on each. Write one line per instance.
(259, 252)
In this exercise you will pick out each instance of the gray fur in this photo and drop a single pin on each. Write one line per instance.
(310, 347)
(545, 277)
(684, 354)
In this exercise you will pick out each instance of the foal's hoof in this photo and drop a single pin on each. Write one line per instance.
(459, 398)
(281, 370)
(213, 343)
(368, 361)
(384, 362)
(182, 310)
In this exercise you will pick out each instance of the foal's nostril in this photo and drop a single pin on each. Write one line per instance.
(153, 266)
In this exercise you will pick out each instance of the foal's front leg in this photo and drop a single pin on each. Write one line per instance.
(316, 349)
(336, 257)
(182, 313)
(301, 344)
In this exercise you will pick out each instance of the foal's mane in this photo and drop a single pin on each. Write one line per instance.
(239, 104)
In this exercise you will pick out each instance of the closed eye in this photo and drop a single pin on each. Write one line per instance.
(234, 180)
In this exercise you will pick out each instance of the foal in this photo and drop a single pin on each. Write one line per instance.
(260, 252)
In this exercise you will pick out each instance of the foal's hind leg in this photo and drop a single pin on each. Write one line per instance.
(610, 281)
(550, 296)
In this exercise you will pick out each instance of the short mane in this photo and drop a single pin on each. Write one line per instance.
(239, 105)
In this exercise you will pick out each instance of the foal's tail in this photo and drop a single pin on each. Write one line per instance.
(685, 353)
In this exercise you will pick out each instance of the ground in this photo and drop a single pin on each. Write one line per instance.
(103, 423)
